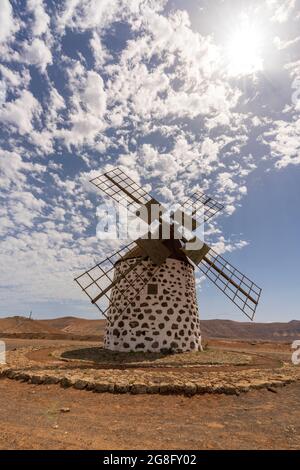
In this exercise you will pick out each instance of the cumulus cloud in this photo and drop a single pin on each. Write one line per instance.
(12, 78)
(11, 166)
(226, 183)
(196, 63)
(163, 165)
(228, 246)
(281, 44)
(294, 70)
(285, 143)
(23, 207)
(88, 101)
(210, 149)
(14, 171)
(7, 21)
(100, 53)
(3, 91)
(41, 18)
(89, 14)
(37, 53)
(44, 139)
(20, 112)
(281, 10)
(93, 95)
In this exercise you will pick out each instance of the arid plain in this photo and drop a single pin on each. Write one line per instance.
(60, 389)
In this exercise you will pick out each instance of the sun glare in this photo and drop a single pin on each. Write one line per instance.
(244, 51)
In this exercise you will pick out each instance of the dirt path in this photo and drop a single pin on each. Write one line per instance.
(31, 419)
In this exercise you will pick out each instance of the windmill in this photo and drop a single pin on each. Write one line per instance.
(146, 290)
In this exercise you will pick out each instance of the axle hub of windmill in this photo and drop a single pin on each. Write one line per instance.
(147, 289)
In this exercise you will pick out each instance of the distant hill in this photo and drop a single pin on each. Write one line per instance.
(264, 331)
(75, 326)
(24, 325)
(79, 328)
(58, 328)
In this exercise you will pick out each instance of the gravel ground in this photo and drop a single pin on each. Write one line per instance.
(37, 417)
(60, 399)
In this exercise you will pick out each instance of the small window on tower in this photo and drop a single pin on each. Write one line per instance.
(152, 289)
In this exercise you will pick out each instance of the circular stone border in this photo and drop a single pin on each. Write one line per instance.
(234, 382)
(187, 388)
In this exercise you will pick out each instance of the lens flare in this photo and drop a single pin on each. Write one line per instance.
(244, 50)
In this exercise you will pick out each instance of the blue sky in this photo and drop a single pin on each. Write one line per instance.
(181, 95)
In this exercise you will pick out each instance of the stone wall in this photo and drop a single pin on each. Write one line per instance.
(163, 315)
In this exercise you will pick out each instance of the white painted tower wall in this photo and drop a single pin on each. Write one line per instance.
(162, 321)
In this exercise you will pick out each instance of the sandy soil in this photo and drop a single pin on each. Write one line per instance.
(52, 417)
(31, 419)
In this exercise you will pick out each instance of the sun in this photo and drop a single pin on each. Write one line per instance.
(244, 50)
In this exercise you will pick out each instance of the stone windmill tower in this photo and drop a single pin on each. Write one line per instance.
(147, 290)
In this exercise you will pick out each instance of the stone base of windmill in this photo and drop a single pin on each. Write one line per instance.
(163, 316)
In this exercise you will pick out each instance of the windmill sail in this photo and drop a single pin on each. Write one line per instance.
(201, 207)
(99, 281)
(243, 292)
(124, 190)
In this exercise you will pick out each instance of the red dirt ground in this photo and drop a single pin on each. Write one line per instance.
(31, 419)
(30, 415)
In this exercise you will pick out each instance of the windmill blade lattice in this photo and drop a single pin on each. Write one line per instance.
(124, 190)
(243, 292)
(201, 207)
(99, 281)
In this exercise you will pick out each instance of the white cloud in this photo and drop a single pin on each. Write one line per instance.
(88, 107)
(11, 169)
(243, 190)
(44, 140)
(3, 92)
(281, 44)
(12, 77)
(37, 53)
(7, 21)
(34, 281)
(28, 200)
(219, 119)
(85, 129)
(20, 112)
(134, 91)
(87, 14)
(56, 104)
(294, 69)
(166, 193)
(281, 9)
(210, 149)
(41, 18)
(158, 164)
(94, 95)
(228, 246)
(23, 208)
(285, 143)
(99, 51)
(58, 213)
(14, 170)
(226, 183)
(147, 93)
